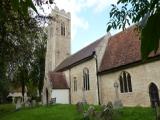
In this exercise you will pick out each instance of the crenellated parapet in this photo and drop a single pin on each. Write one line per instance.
(62, 12)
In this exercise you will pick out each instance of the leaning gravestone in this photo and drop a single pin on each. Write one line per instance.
(18, 104)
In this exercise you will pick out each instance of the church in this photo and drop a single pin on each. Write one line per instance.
(109, 69)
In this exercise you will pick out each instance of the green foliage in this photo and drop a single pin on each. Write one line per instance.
(146, 14)
(150, 39)
(38, 65)
(23, 6)
(32, 90)
(20, 37)
(4, 84)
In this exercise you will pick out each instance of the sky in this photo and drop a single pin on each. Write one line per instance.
(88, 20)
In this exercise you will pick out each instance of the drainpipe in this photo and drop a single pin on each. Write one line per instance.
(70, 86)
(98, 89)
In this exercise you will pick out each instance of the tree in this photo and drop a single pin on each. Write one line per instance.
(4, 90)
(19, 35)
(146, 15)
(31, 89)
(38, 63)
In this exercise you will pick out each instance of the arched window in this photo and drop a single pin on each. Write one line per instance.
(125, 82)
(75, 84)
(62, 29)
(86, 83)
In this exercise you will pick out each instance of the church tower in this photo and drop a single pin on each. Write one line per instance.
(59, 35)
(58, 45)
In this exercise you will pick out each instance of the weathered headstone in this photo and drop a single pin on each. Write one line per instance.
(91, 111)
(117, 102)
(86, 116)
(79, 107)
(26, 104)
(107, 113)
(53, 101)
(33, 103)
(18, 104)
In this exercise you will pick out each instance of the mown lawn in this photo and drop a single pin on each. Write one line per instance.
(55, 112)
(136, 113)
(68, 112)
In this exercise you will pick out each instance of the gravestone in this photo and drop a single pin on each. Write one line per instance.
(79, 107)
(33, 103)
(86, 116)
(28, 102)
(117, 102)
(107, 113)
(91, 111)
(18, 104)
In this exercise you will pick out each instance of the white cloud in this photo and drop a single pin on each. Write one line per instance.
(103, 4)
(99, 5)
(77, 6)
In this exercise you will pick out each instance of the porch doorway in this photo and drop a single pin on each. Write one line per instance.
(46, 96)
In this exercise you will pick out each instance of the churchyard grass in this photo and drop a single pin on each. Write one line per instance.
(53, 112)
(135, 113)
(69, 112)
(6, 109)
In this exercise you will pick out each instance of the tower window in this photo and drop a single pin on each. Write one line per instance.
(125, 82)
(51, 32)
(62, 29)
(86, 83)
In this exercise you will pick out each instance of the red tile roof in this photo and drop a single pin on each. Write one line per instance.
(58, 80)
(80, 55)
(122, 49)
